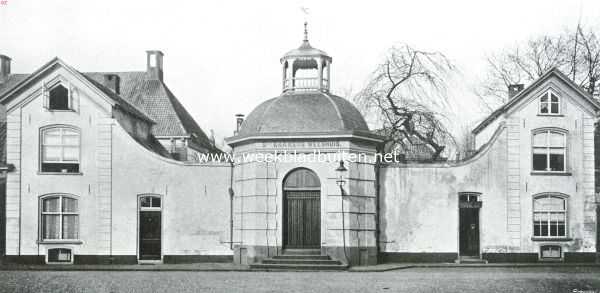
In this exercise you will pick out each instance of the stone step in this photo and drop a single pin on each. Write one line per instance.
(301, 261)
(290, 256)
(302, 251)
(471, 260)
(298, 267)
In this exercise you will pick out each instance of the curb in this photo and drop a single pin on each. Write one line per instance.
(452, 265)
(378, 268)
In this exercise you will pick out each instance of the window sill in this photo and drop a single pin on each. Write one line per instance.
(551, 115)
(69, 110)
(60, 242)
(550, 173)
(60, 173)
(551, 239)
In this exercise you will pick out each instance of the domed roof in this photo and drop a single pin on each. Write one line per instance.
(305, 50)
(309, 112)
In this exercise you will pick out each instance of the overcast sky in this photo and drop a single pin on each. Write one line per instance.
(223, 58)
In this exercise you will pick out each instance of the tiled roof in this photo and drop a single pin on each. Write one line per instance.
(18, 81)
(12, 80)
(146, 98)
(304, 112)
(155, 98)
(125, 105)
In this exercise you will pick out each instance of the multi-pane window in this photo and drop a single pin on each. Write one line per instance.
(150, 202)
(549, 216)
(549, 151)
(549, 103)
(59, 218)
(60, 150)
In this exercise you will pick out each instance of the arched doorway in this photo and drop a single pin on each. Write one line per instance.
(302, 210)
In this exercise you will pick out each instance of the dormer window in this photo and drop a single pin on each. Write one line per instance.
(549, 104)
(59, 97)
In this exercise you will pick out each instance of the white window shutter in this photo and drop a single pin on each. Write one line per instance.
(45, 96)
(74, 98)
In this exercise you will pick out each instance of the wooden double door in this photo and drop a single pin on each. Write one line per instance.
(302, 219)
(302, 210)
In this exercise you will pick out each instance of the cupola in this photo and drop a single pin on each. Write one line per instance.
(306, 68)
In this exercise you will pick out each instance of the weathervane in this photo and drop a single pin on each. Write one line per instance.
(305, 10)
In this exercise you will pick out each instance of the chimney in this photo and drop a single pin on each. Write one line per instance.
(154, 64)
(113, 82)
(239, 119)
(4, 68)
(515, 89)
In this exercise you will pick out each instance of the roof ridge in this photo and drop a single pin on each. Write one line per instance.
(337, 109)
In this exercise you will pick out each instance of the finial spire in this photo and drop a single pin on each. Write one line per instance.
(306, 31)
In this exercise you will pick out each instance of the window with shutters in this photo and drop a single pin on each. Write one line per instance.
(60, 149)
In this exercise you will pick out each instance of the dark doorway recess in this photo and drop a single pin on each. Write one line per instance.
(302, 210)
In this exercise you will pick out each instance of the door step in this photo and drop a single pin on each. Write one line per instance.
(300, 260)
(471, 260)
(298, 251)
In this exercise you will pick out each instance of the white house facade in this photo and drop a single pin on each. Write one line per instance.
(103, 168)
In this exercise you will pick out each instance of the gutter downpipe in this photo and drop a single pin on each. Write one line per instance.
(377, 205)
(231, 193)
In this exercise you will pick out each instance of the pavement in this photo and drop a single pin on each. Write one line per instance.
(231, 267)
(457, 279)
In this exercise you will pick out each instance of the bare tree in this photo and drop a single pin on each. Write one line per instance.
(575, 53)
(406, 96)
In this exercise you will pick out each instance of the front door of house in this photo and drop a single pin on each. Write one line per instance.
(150, 228)
(302, 210)
(469, 206)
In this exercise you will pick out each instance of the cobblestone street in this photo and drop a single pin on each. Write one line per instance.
(556, 279)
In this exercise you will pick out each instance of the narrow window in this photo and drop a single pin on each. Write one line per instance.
(60, 150)
(59, 98)
(549, 103)
(60, 218)
(549, 151)
(549, 216)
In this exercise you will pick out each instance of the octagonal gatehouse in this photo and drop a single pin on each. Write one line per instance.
(287, 193)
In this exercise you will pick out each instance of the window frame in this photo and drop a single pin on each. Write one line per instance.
(548, 94)
(58, 262)
(565, 199)
(551, 246)
(547, 147)
(60, 215)
(72, 103)
(69, 97)
(62, 146)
